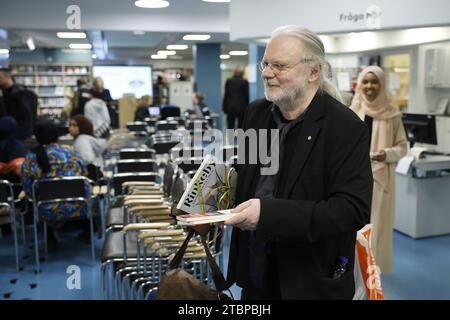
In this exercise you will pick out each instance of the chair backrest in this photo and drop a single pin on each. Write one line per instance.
(163, 147)
(136, 165)
(137, 153)
(6, 193)
(189, 164)
(180, 120)
(137, 126)
(165, 125)
(169, 176)
(170, 111)
(191, 124)
(120, 178)
(61, 188)
(179, 186)
(187, 152)
(151, 122)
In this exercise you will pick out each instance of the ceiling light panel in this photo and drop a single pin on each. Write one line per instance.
(196, 37)
(177, 47)
(151, 4)
(71, 35)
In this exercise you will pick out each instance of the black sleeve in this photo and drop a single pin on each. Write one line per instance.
(225, 97)
(108, 97)
(2, 108)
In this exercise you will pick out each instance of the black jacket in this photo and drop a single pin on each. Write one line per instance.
(324, 201)
(236, 97)
(16, 106)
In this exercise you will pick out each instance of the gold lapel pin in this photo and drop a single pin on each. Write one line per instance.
(309, 138)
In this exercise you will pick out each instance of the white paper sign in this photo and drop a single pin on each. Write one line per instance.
(404, 165)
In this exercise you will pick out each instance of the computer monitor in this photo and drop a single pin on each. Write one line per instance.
(154, 111)
(420, 128)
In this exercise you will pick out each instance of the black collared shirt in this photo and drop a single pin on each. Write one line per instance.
(262, 269)
(267, 186)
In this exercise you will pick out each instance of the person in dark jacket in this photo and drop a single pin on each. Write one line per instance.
(236, 98)
(80, 97)
(12, 150)
(98, 91)
(16, 105)
(295, 222)
(142, 110)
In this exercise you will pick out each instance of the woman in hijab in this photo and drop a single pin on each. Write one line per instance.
(388, 145)
(89, 147)
(51, 160)
(12, 150)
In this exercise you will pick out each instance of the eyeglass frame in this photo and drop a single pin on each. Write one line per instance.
(262, 65)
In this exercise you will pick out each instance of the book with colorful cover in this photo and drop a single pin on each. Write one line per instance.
(212, 188)
(203, 218)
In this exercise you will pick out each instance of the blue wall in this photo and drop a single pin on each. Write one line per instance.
(207, 74)
(256, 54)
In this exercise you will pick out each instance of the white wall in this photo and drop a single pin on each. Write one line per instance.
(426, 99)
(324, 16)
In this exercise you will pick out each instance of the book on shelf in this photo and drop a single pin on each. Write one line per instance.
(193, 219)
(212, 188)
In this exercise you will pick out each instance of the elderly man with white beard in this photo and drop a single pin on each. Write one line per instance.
(294, 230)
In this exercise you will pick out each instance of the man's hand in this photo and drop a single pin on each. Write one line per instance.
(246, 215)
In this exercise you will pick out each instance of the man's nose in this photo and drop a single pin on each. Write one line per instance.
(267, 72)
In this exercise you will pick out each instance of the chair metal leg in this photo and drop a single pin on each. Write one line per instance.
(22, 218)
(16, 245)
(36, 247)
(91, 222)
(45, 242)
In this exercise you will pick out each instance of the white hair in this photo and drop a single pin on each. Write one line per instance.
(314, 55)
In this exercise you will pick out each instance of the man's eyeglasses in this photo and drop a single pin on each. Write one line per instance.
(278, 68)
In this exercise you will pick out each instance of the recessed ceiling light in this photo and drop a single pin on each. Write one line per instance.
(225, 56)
(71, 35)
(152, 4)
(138, 33)
(166, 52)
(4, 51)
(158, 57)
(238, 53)
(177, 47)
(80, 46)
(198, 37)
(216, 0)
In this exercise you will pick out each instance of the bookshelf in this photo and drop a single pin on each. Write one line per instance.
(53, 83)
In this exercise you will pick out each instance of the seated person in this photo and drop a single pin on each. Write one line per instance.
(12, 150)
(145, 109)
(200, 108)
(51, 160)
(89, 147)
(12, 155)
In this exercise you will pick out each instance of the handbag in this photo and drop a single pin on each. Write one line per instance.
(177, 284)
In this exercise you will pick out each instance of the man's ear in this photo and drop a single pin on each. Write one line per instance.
(315, 73)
